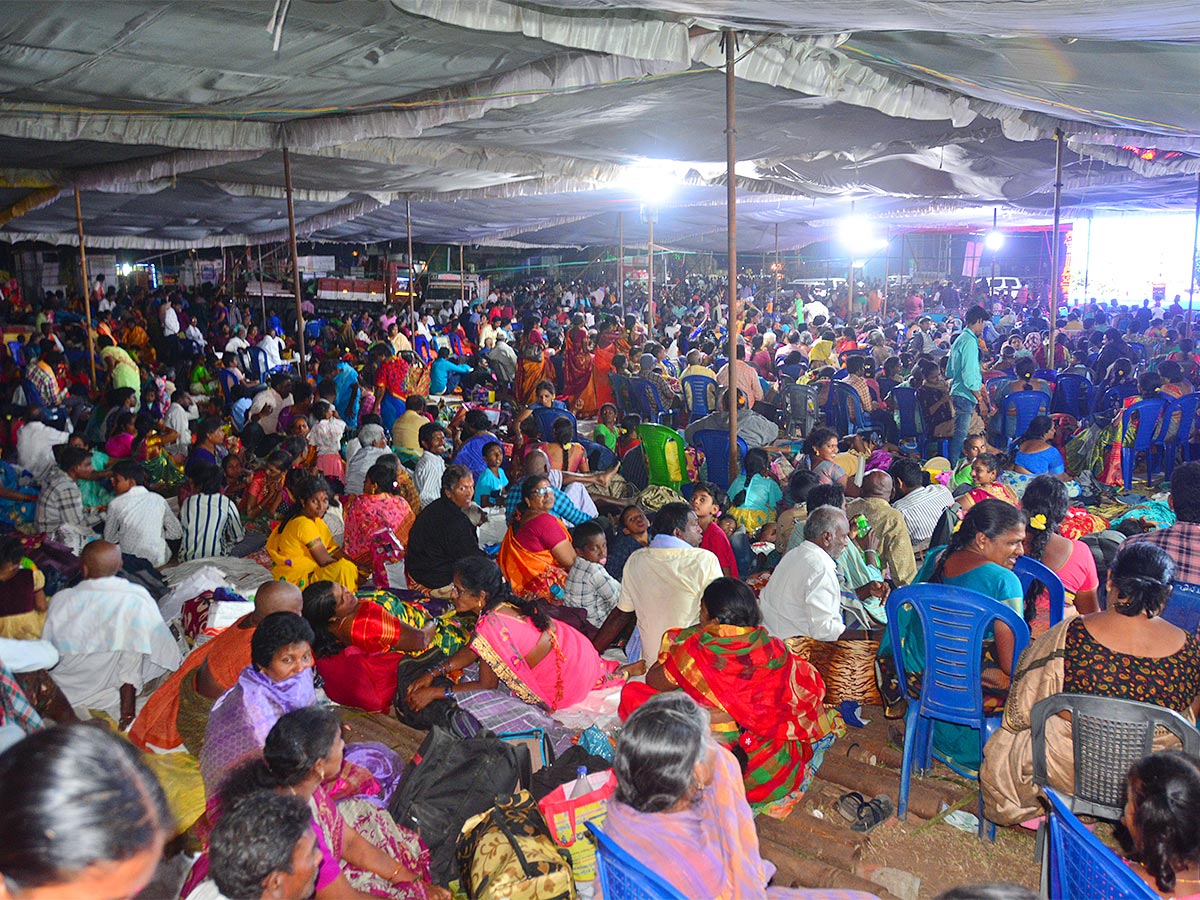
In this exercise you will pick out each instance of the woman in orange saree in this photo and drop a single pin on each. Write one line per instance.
(533, 368)
(536, 552)
(598, 390)
(577, 359)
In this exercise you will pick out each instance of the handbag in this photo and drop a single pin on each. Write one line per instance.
(506, 852)
(567, 817)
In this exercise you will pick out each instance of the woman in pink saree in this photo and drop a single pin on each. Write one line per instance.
(598, 390)
(544, 662)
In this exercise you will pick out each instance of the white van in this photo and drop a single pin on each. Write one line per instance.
(1001, 284)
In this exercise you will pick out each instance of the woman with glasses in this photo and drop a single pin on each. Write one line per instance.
(537, 553)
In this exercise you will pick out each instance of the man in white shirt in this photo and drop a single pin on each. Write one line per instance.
(138, 520)
(267, 404)
(110, 636)
(428, 473)
(35, 448)
(238, 342)
(180, 414)
(804, 597)
(374, 445)
(662, 583)
(922, 504)
(273, 347)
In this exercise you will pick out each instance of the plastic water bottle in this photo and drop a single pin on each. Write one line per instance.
(581, 784)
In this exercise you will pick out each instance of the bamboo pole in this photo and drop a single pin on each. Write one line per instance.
(1055, 276)
(287, 183)
(412, 271)
(87, 290)
(734, 321)
(262, 289)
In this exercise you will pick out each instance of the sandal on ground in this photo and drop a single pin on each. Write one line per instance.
(872, 814)
(849, 805)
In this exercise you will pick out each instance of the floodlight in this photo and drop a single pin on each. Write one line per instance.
(858, 235)
(126, 270)
(652, 184)
(994, 240)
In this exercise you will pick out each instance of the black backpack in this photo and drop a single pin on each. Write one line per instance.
(448, 781)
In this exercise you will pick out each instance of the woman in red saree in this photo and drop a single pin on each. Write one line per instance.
(577, 359)
(536, 553)
(533, 368)
(760, 696)
(598, 391)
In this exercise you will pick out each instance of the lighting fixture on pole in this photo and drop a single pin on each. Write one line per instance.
(653, 184)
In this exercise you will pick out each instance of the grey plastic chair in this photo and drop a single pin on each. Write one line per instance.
(801, 402)
(1108, 734)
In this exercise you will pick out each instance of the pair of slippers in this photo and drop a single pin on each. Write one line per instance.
(864, 815)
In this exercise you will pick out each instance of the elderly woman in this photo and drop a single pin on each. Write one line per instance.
(536, 553)
(378, 522)
(541, 661)
(680, 807)
(1126, 650)
(364, 853)
(759, 695)
(1163, 804)
(442, 534)
(302, 546)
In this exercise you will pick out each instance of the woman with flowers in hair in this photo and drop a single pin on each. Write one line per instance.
(1046, 505)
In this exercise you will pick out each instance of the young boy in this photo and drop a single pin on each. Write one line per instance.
(138, 520)
(491, 481)
(589, 586)
(707, 500)
(972, 447)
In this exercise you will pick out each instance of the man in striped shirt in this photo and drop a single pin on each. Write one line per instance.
(211, 522)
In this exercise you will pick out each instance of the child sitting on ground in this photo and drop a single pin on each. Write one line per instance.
(589, 586)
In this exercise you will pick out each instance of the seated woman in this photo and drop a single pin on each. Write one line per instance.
(302, 546)
(680, 807)
(542, 661)
(23, 602)
(265, 493)
(1126, 650)
(1046, 505)
(985, 476)
(536, 553)
(278, 680)
(378, 522)
(1023, 369)
(755, 495)
(979, 557)
(1174, 386)
(759, 695)
(364, 853)
(1159, 826)
(1037, 456)
(820, 449)
(565, 453)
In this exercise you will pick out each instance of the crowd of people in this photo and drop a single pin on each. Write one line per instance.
(529, 492)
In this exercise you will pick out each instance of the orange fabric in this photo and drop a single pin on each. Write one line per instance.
(227, 654)
(374, 629)
(529, 573)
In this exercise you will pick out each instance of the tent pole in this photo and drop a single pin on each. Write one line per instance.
(262, 290)
(650, 277)
(87, 299)
(887, 268)
(287, 184)
(732, 324)
(621, 264)
(1054, 251)
(462, 278)
(412, 273)
(1192, 280)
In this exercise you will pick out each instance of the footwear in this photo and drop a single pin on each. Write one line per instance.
(872, 814)
(849, 805)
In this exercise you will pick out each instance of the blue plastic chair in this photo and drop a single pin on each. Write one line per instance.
(1183, 609)
(695, 392)
(1185, 408)
(1079, 865)
(719, 363)
(622, 393)
(1030, 570)
(1150, 430)
(714, 444)
(228, 382)
(953, 624)
(456, 345)
(1050, 375)
(848, 410)
(258, 365)
(912, 421)
(1024, 405)
(993, 385)
(421, 348)
(649, 404)
(57, 415)
(17, 352)
(1114, 397)
(546, 417)
(1073, 395)
(624, 878)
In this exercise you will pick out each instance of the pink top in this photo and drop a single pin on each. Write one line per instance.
(119, 446)
(1079, 571)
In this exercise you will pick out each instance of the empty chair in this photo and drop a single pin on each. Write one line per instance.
(666, 463)
(1078, 865)
(1150, 429)
(1030, 570)
(801, 406)
(624, 878)
(696, 390)
(1072, 395)
(953, 623)
(714, 444)
(1108, 734)
(1019, 409)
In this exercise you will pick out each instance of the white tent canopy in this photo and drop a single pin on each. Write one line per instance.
(517, 123)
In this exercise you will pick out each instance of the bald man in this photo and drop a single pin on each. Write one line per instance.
(111, 638)
(887, 527)
(177, 713)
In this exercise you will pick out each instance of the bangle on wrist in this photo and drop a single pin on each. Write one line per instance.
(449, 693)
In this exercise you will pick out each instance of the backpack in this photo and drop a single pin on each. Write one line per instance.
(507, 852)
(450, 780)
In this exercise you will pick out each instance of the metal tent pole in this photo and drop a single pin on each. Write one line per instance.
(412, 271)
(621, 264)
(731, 229)
(1054, 276)
(287, 184)
(1192, 279)
(87, 299)
(262, 290)
(462, 278)
(650, 276)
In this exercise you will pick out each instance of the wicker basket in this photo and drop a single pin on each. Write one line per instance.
(847, 667)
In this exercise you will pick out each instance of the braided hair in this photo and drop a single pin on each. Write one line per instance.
(1046, 496)
(481, 575)
(991, 518)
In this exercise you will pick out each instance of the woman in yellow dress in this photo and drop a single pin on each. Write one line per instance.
(301, 545)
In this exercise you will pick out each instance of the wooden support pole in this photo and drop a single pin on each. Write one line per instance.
(734, 321)
(291, 209)
(262, 290)
(412, 271)
(794, 870)
(871, 781)
(1192, 278)
(1056, 275)
(621, 265)
(87, 289)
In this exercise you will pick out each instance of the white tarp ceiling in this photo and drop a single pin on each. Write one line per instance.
(515, 123)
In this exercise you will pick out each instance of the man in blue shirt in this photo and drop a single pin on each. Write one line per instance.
(966, 378)
(444, 374)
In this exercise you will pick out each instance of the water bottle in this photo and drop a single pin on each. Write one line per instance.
(581, 784)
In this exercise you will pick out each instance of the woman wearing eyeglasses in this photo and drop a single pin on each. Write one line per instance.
(536, 553)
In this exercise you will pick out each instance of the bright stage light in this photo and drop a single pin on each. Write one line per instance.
(994, 240)
(126, 270)
(858, 235)
(652, 182)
